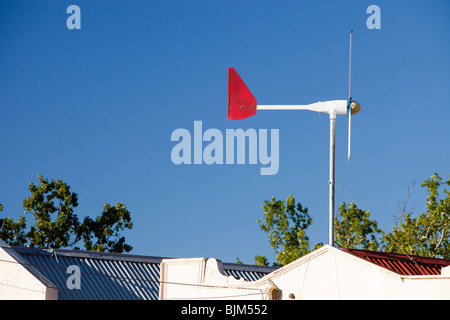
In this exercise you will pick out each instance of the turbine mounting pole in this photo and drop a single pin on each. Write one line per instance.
(331, 186)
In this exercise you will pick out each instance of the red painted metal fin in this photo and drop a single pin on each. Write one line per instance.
(241, 102)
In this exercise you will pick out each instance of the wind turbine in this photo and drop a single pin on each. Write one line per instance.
(242, 104)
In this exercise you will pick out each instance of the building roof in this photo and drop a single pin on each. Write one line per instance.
(112, 276)
(410, 265)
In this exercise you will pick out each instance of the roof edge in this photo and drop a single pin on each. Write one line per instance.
(89, 254)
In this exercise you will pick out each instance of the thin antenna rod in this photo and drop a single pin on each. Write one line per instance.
(350, 67)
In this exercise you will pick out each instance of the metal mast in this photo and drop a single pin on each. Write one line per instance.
(331, 186)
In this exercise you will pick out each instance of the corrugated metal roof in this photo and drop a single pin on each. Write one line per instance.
(109, 276)
(403, 264)
(247, 272)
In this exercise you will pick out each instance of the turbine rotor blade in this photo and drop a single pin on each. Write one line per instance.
(349, 132)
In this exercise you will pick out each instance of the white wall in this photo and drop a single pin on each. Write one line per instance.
(19, 281)
(200, 278)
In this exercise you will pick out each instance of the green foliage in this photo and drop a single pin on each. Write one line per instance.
(261, 261)
(49, 199)
(106, 228)
(57, 226)
(428, 234)
(286, 224)
(12, 232)
(354, 229)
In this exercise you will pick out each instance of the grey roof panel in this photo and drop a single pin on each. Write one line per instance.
(109, 279)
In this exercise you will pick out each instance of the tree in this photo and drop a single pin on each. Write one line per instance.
(56, 225)
(286, 224)
(12, 232)
(355, 230)
(428, 234)
(106, 230)
(46, 201)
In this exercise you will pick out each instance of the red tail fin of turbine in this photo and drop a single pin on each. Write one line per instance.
(241, 102)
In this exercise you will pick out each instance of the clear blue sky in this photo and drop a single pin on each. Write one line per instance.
(96, 107)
